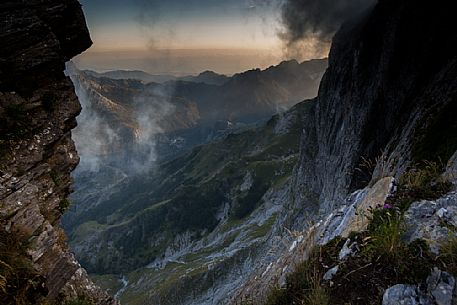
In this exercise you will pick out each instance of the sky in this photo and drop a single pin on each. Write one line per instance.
(182, 36)
(185, 24)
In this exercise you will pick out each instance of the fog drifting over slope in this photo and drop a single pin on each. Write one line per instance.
(99, 143)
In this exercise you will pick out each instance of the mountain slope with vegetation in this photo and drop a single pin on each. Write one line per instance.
(382, 186)
(136, 122)
(161, 229)
(221, 182)
(349, 198)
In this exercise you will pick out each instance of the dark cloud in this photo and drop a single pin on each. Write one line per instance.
(303, 18)
(317, 20)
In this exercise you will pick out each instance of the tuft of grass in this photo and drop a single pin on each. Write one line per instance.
(383, 260)
(64, 205)
(448, 255)
(55, 178)
(20, 284)
(303, 286)
(363, 173)
(384, 245)
(384, 236)
(422, 182)
(318, 296)
(421, 176)
(277, 296)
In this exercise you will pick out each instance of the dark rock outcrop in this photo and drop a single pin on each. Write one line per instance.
(38, 107)
(388, 101)
(391, 73)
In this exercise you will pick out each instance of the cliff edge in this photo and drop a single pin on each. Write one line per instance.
(38, 107)
(377, 162)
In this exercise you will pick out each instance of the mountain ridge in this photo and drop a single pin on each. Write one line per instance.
(209, 77)
(363, 138)
(349, 197)
(180, 114)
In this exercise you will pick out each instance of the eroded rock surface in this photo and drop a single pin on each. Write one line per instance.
(440, 290)
(378, 113)
(432, 221)
(38, 107)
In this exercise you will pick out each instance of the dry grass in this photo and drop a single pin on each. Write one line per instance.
(20, 284)
(304, 285)
(423, 175)
(448, 254)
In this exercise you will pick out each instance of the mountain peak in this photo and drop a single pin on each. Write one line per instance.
(209, 73)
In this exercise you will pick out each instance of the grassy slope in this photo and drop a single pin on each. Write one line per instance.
(187, 193)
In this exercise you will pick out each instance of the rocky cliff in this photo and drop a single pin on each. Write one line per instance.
(374, 190)
(390, 76)
(382, 135)
(381, 132)
(38, 107)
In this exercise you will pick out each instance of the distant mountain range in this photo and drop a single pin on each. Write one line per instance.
(189, 110)
(208, 77)
(241, 97)
(189, 188)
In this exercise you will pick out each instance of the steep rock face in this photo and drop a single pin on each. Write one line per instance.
(387, 75)
(38, 107)
(387, 101)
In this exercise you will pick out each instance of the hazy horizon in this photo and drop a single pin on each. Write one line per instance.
(178, 62)
(186, 37)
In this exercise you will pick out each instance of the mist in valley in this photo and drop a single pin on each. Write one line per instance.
(174, 154)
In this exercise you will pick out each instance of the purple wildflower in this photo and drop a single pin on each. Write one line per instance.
(387, 206)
